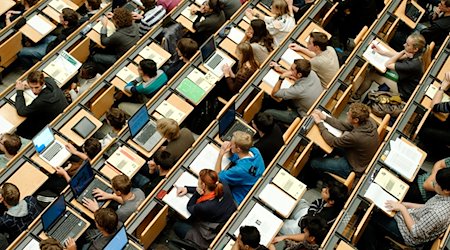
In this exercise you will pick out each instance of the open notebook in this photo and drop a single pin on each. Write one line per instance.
(404, 158)
(374, 58)
(271, 78)
(278, 200)
(179, 203)
(207, 159)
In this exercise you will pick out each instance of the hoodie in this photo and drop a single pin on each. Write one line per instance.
(120, 41)
(45, 107)
(17, 218)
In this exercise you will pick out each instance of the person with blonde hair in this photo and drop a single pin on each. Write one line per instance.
(248, 164)
(178, 140)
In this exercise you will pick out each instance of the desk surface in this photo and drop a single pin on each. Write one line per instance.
(9, 113)
(54, 13)
(400, 13)
(71, 135)
(186, 23)
(164, 55)
(315, 136)
(28, 179)
(33, 34)
(5, 5)
(444, 69)
(312, 27)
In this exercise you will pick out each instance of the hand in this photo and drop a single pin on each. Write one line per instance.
(407, 54)
(74, 86)
(295, 47)
(20, 85)
(194, 10)
(136, 16)
(275, 66)
(226, 146)
(320, 114)
(288, 74)
(316, 118)
(1, 198)
(109, 15)
(181, 191)
(152, 167)
(90, 204)
(200, 191)
(249, 13)
(100, 194)
(70, 244)
(71, 148)
(104, 21)
(278, 239)
(60, 171)
(226, 68)
(394, 205)
(11, 12)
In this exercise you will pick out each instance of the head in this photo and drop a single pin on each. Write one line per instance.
(442, 183)
(163, 159)
(30, 3)
(263, 122)
(121, 184)
(10, 194)
(92, 147)
(415, 43)
(87, 71)
(208, 180)
(248, 238)
(279, 7)
(444, 6)
(50, 244)
(147, 67)
(258, 33)
(149, 4)
(122, 18)
(36, 81)
(186, 48)
(116, 118)
(317, 42)
(10, 143)
(168, 128)
(315, 230)
(300, 68)
(68, 18)
(358, 113)
(244, 53)
(335, 194)
(106, 220)
(241, 142)
(92, 4)
(212, 6)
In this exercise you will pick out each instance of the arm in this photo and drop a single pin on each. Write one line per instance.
(412, 205)
(296, 47)
(74, 151)
(192, 206)
(398, 206)
(440, 93)
(428, 184)
(104, 39)
(224, 149)
(294, 237)
(390, 64)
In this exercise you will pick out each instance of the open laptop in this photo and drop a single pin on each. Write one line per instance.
(213, 59)
(411, 11)
(50, 150)
(229, 124)
(119, 241)
(60, 223)
(266, 3)
(143, 129)
(84, 127)
(84, 181)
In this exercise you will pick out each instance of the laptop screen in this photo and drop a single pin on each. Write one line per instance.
(81, 179)
(119, 241)
(138, 120)
(227, 120)
(43, 139)
(55, 210)
(208, 49)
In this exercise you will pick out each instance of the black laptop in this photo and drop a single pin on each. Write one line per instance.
(229, 124)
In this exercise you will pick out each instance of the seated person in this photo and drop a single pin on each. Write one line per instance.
(186, 49)
(52, 244)
(301, 95)
(125, 36)
(359, 143)
(169, 5)
(230, 7)
(150, 80)
(128, 198)
(10, 144)
(280, 24)
(92, 6)
(247, 165)
(211, 205)
(49, 103)
(210, 18)
(158, 168)
(178, 140)
(259, 38)
(16, 12)
(115, 120)
(248, 239)
(107, 223)
(152, 14)
(324, 60)
(20, 213)
(86, 77)
(405, 65)
(328, 207)
(270, 136)
(413, 224)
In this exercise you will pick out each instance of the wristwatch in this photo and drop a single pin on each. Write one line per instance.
(280, 78)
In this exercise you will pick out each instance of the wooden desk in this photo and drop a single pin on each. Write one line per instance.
(95, 36)
(120, 84)
(444, 69)
(229, 46)
(55, 13)
(244, 24)
(426, 102)
(33, 34)
(312, 27)
(71, 135)
(44, 164)
(161, 57)
(400, 13)
(5, 5)
(186, 23)
(9, 113)
(315, 136)
(28, 179)
(344, 246)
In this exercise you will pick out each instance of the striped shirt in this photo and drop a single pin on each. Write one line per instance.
(150, 18)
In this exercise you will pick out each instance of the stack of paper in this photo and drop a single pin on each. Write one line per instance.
(432, 90)
(40, 25)
(170, 111)
(290, 56)
(376, 59)
(403, 158)
(179, 203)
(271, 78)
(289, 184)
(110, 28)
(236, 35)
(207, 159)
(126, 75)
(278, 200)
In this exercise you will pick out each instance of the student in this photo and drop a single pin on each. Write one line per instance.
(259, 38)
(152, 14)
(301, 96)
(107, 222)
(281, 24)
(169, 5)
(270, 136)
(406, 64)
(211, 205)
(92, 6)
(324, 60)
(115, 120)
(128, 198)
(248, 239)
(210, 18)
(150, 80)
(230, 7)
(158, 168)
(248, 165)
(125, 36)
(246, 68)
(413, 224)
(10, 144)
(359, 142)
(20, 212)
(186, 49)
(49, 103)
(178, 140)
(52, 244)
(16, 12)
(86, 77)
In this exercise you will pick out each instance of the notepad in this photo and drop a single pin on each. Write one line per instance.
(110, 28)
(207, 159)
(179, 203)
(148, 53)
(191, 91)
(124, 161)
(58, 5)
(170, 111)
(63, 67)
(199, 78)
(40, 25)
(376, 59)
(187, 13)
(271, 78)
(32, 245)
(5, 126)
(126, 75)
(278, 200)
(391, 184)
(290, 56)
(27, 94)
(431, 92)
(236, 35)
(289, 184)
(403, 158)
(379, 196)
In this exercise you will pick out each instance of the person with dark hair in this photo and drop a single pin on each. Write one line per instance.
(152, 14)
(115, 120)
(248, 239)
(259, 38)
(186, 49)
(10, 144)
(20, 212)
(210, 18)
(107, 222)
(49, 103)
(87, 76)
(211, 205)
(413, 224)
(92, 6)
(314, 232)
(301, 95)
(230, 7)
(53, 244)
(324, 60)
(270, 136)
(158, 168)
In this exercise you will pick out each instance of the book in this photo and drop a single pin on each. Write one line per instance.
(391, 184)
(200, 79)
(179, 203)
(374, 58)
(27, 94)
(32, 245)
(271, 78)
(126, 75)
(5, 126)
(403, 158)
(207, 159)
(168, 110)
(64, 67)
(40, 25)
(187, 13)
(278, 200)
(58, 5)
(236, 35)
(289, 184)
(148, 53)
(431, 92)
(334, 131)
(125, 161)
(191, 91)
(379, 196)
(290, 56)
(110, 28)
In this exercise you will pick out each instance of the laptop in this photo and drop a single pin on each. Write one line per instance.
(119, 241)
(411, 11)
(213, 59)
(143, 129)
(266, 3)
(84, 181)
(60, 223)
(84, 127)
(229, 124)
(50, 150)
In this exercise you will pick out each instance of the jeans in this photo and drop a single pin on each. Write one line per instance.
(338, 166)
(30, 54)
(379, 226)
(181, 228)
(103, 61)
(285, 116)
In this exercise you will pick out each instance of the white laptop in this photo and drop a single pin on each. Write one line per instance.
(50, 150)
(213, 59)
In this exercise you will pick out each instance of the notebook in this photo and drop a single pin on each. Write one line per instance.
(228, 124)
(124, 160)
(40, 25)
(289, 184)
(168, 110)
(290, 56)
(191, 91)
(126, 75)
(49, 149)
(207, 159)
(179, 203)
(110, 28)
(28, 95)
(236, 35)
(62, 68)
(271, 78)
(58, 5)
(201, 80)
(84, 127)
(187, 13)
(119, 241)
(374, 58)
(278, 200)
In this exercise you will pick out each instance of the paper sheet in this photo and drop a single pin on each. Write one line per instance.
(374, 58)
(126, 75)
(378, 196)
(200, 79)
(32, 245)
(289, 184)
(207, 159)
(41, 26)
(278, 200)
(110, 28)
(123, 161)
(290, 56)
(403, 158)
(236, 35)
(58, 5)
(5, 126)
(179, 203)
(271, 78)
(391, 183)
(187, 13)
(149, 53)
(28, 95)
(169, 111)
(431, 92)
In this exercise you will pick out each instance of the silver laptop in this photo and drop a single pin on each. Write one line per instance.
(213, 59)
(143, 129)
(50, 150)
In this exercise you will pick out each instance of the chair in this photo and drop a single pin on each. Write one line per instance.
(360, 35)
(327, 17)
(426, 57)
(291, 130)
(348, 182)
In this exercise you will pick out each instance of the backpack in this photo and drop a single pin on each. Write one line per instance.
(385, 102)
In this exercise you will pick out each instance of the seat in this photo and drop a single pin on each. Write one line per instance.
(360, 35)
(348, 182)
(291, 130)
(426, 57)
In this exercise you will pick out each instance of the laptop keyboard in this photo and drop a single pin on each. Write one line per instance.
(145, 134)
(215, 61)
(52, 151)
(96, 183)
(62, 231)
